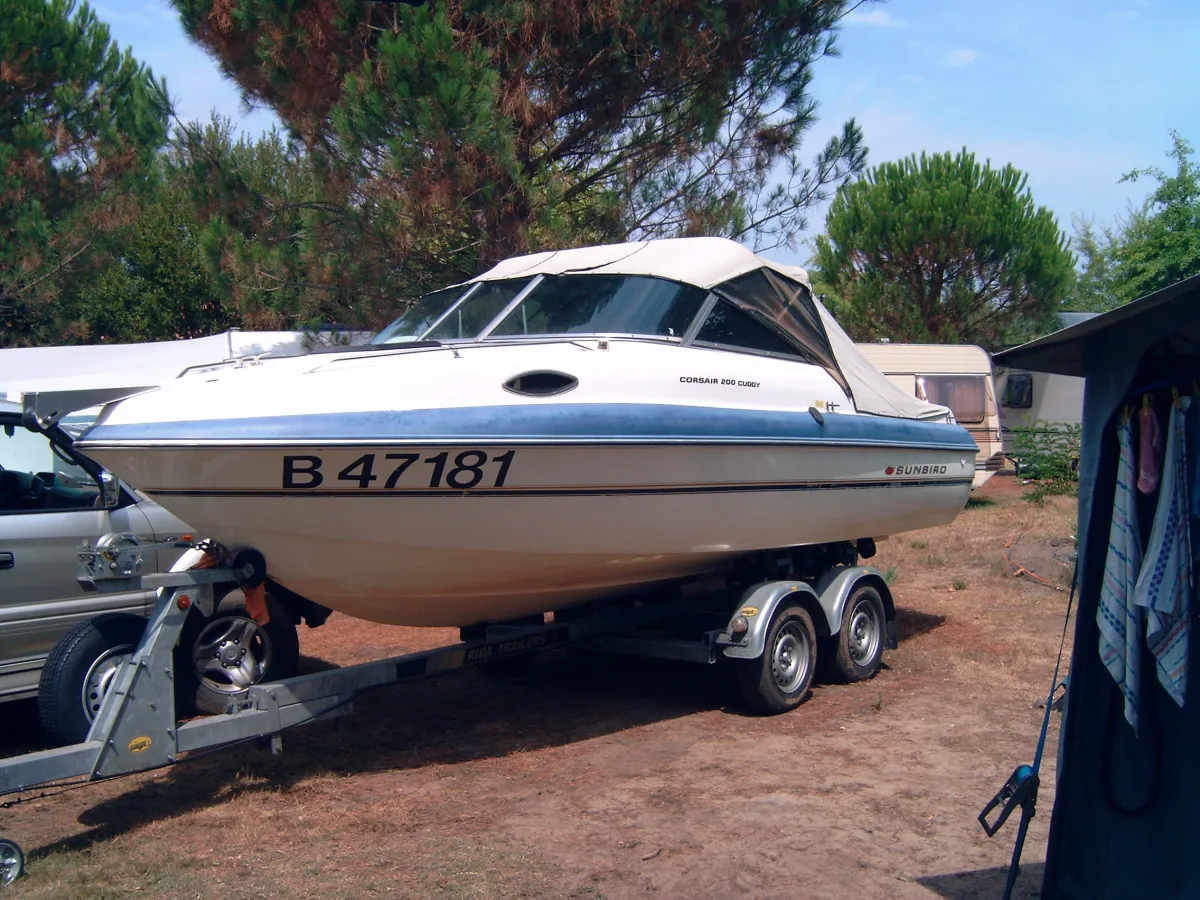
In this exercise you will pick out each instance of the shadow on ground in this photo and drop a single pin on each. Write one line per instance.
(910, 623)
(986, 884)
(565, 697)
(974, 502)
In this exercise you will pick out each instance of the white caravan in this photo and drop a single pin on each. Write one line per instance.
(1037, 399)
(955, 375)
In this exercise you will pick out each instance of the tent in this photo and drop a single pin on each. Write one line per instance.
(24, 369)
(1125, 805)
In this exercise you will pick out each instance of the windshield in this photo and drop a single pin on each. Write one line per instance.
(559, 304)
(473, 315)
(415, 320)
(604, 304)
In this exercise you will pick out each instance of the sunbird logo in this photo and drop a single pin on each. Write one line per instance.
(916, 470)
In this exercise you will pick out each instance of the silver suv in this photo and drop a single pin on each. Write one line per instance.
(60, 643)
(51, 500)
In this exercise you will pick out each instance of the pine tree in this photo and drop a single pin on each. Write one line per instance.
(444, 136)
(79, 125)
(942, 249)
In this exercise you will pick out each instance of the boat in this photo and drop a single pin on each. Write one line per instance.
(566, 426)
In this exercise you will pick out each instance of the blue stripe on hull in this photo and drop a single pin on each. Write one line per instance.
(550, 422)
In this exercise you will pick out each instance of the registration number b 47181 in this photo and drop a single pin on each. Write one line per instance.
(398, 471)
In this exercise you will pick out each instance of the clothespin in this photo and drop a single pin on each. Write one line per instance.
(1145, 401)
(1195, 389)
(1175, 395)
(1126, 413)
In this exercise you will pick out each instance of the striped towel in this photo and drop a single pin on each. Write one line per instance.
(1120, 620)
(1164, 586)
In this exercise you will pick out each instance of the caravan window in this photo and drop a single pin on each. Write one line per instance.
(966, 395)
(1018, 391)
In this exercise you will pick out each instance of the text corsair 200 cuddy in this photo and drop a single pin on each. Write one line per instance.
(565, 426)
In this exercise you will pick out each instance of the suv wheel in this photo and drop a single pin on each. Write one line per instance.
(78, 672)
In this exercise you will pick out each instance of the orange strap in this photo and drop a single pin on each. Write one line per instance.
(256, 597)
(256, 603)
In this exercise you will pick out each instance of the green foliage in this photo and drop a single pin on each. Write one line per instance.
(431, 141)
(80, 122)
(1048, 454)
(1161, 245)
(1095, 286)
(155, 285)
(1153, 247)
(942, 249)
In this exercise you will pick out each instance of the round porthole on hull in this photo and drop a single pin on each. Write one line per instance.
(543, 383)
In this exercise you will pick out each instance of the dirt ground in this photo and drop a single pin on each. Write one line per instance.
(601, 778)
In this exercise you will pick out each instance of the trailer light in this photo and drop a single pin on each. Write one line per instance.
(739, 625)
(184, 601)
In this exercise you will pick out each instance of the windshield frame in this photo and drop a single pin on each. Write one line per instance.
(512, 304)
(713, 296)
(464, 293)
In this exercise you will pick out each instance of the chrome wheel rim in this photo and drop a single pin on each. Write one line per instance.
(231, 654)
(10, 862)
(865, 633)
(99, 678)
(790, 658)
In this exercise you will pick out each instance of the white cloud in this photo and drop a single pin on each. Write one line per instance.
(878, 17)
(914, 78)
(960, 57)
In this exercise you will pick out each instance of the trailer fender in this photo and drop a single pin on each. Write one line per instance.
(757, 607)
(834, 589)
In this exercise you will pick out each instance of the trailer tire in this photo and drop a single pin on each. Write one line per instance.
(780, 679)
(855, 653)
(78, 670)
(234, 651)
(12, 861)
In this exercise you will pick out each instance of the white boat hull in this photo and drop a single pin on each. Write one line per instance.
(568, 523)
(412, 486)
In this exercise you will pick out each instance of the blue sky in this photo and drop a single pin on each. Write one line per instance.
(1073, 92)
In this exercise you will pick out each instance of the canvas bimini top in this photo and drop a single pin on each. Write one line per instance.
(667, 288)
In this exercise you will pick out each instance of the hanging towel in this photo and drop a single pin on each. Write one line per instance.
(1164, 585)
(1119, 618)
(1150, 451)
(1193, 441)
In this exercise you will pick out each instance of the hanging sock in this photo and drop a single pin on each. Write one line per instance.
(1119, 618)
(1164, 585)
(1150, 449)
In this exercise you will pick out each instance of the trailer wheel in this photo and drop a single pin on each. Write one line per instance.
(780, 679)
(78, 671)
(857, 649)
(220, 657)
(12, 861)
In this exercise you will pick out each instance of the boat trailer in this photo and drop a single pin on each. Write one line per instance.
(136, 728)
